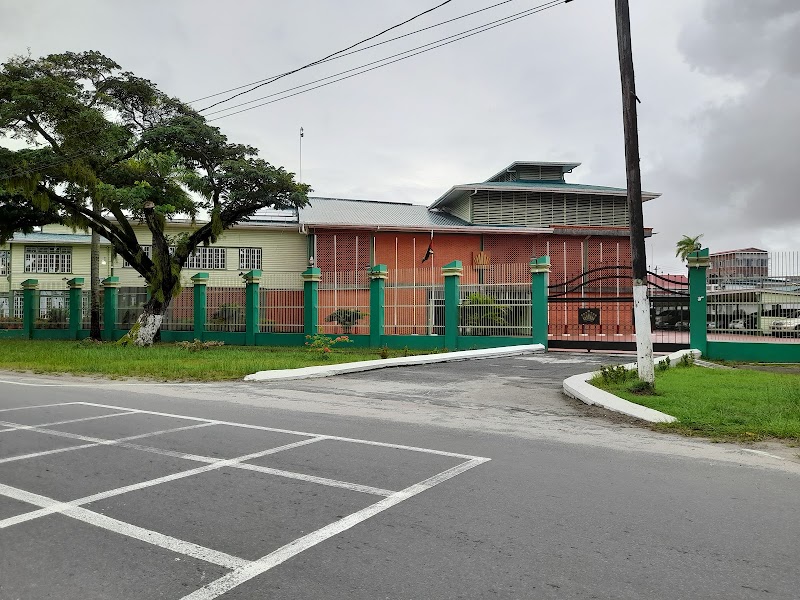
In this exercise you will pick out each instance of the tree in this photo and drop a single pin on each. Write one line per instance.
(107, 149)
(686, 245)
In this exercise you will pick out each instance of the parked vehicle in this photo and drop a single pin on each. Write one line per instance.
(748, 323)
(787, 327)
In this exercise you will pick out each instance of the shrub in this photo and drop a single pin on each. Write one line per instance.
(346, 317)
(322, 344)
(687, 360)
(664, 365)
(384, 351)
(612, 374)
(484, 314)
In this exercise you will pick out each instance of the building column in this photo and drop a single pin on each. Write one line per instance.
(200, 282)
(110, 293)
(311, 277)
(252, 279)
(540, 274)
(75, 306)
(452, 275)
(698, 304)
(377, 291)
(29, 287)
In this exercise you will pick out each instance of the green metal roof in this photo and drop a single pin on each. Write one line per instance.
(54, 238)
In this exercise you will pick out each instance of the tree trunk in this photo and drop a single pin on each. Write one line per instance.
(148, 323)
(94, 287)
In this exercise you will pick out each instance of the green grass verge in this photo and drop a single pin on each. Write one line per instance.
(729, 404)
(166, 362)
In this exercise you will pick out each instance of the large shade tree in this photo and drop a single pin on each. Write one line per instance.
(106, 150)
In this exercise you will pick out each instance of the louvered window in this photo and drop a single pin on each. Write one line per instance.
(249, 258)
(207, 259)
(3, 262)
(48, 259)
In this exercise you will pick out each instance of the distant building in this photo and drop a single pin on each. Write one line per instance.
(738, 264)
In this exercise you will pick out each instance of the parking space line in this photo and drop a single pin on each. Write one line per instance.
(40, 405)
(292, 432)
(355, 487)
(102, 443)
(235, 578)
(133, 531)
(62, 506)
(21, 427)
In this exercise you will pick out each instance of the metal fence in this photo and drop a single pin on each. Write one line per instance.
(130, 301)
(755, 294)
(280, 302)
(344, 302)
(225, 305)
(51, 302)
(496, 300)
(414, 302)
(11, 309)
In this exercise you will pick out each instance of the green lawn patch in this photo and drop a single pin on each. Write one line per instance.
(168, 362)
(730, 404)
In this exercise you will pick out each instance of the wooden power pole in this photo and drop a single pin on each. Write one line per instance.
(641, 304)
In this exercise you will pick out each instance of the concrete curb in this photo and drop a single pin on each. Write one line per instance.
(403, 361)
(578, 387)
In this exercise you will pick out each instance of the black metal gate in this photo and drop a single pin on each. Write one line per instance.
(594, 311)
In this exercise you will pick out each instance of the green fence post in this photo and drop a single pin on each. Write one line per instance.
(251, 306)
(452, 274)
(110, 292)
(311, 277)
(75, 300)
(29, 287)
(200, 282)
(698, 305)
(377, 291)
(540, 273)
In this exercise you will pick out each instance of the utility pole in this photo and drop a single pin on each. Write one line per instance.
(641, 304)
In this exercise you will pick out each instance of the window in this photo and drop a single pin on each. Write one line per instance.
(3, 262)
(48, 259)
(148, 251)
(249, 258)
(207, 258)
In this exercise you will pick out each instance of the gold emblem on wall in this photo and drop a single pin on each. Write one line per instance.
(481, 260)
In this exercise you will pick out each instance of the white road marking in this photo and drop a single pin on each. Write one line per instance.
(21, 427)
(242, 574)
(355, 487)
(102, 443)
(195, 457)
(133, 531)
(62, 506)
(291, 432)
(37, 405)
(762, 453)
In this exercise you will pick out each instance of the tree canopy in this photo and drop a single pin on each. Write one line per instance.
(97, 134)
(686, 245)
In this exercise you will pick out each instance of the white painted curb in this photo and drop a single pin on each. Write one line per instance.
(578, 387)
(402, 361)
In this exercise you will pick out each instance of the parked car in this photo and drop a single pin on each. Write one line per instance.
(682, 325)
(748, 323)
(787, 327)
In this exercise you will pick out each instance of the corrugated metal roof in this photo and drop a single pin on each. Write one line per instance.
(55, 238)
(346, 212)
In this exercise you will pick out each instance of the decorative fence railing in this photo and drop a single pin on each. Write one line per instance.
(344, 302)
(754, 296)
(281, 303)
(451, 307)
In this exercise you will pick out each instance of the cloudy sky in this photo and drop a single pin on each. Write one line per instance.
(719, 82)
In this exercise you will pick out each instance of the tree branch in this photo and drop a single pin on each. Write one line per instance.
(31, 120)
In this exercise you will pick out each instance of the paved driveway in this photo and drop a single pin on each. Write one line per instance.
(462, 480)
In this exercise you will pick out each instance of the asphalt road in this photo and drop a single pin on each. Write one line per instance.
(242, 491)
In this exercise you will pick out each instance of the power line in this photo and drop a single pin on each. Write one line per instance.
(342, 55)
(525, 12)
(460, 36)
(316, 62)
(482, 29)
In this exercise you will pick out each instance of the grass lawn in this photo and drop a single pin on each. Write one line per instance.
(166, 361)
(731, 404)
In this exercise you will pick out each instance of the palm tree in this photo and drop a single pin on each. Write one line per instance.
(686, 245)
